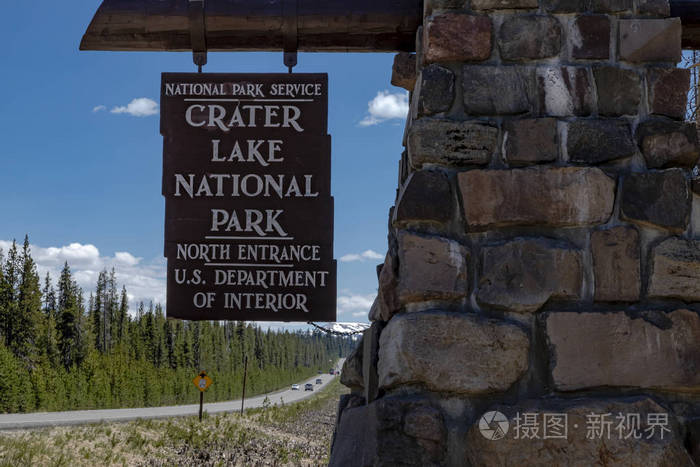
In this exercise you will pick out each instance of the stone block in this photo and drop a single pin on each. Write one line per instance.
(384, 433)
(531, 140)
(654, 350)
(375, 311)
(403, 73)
(529, 37)
(502, 4)
(565, 6)
(650, 40)
(619, 91)
(590, 37)
(557, 197)
(451, 143)
(524, 274)
(431, 268)
(668, 91)
(675, 270)
(456, 37)
(610, 6)
(355, 442)
(426, 197)
(616, 264)
(351, 375)
(668, 143)
(396, 442)
(653, 7)
(436, 90)
(432, 5)
(598, 141)
(579, 447)
(659, 199)
(498, 90)
(565, 91)
(425, 423)
(452, 352)
(388, 282)
(370, 356)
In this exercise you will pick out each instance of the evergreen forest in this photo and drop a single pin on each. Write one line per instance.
(60, 350)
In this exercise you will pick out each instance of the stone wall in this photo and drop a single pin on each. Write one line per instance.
(544, 248)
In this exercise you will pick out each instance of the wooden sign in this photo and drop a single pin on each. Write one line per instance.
(248, 211)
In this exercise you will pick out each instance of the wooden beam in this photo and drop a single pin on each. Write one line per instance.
(689, 12)
(256, 25)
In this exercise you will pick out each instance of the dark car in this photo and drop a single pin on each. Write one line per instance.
(319, 381)
(308, 387)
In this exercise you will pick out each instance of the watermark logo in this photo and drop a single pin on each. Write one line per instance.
(493, 425)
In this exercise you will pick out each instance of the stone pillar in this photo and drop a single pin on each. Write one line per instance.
(544, 248)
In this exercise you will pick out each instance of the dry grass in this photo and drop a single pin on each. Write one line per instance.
(294, 434)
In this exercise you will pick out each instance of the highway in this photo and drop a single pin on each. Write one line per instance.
(21, 421)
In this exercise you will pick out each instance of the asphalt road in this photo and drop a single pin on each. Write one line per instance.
(81, 417)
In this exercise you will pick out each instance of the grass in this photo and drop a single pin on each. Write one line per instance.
(221, 439)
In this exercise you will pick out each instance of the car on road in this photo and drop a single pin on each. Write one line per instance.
(308, 387)
(319, 381)
(295, 387)
(332, 372)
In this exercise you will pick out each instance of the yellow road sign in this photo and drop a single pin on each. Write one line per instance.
(202, 381)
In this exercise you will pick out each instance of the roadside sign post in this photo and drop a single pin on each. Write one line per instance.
(245, 376)
(202, 381)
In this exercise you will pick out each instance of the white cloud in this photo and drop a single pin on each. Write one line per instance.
(99, 108)
(141, 107)
(386, 106)
(365, 255)
(144, 281)
(76, 254)
(355, 305)
(126, 258)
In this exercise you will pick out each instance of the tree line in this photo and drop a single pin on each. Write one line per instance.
(59, 351)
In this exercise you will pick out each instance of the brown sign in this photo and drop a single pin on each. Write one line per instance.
(248, 206)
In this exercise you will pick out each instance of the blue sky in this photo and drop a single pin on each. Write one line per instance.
(84, 182)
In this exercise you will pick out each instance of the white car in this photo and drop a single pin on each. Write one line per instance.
(295, 387)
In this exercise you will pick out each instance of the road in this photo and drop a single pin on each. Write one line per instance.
(81, 417)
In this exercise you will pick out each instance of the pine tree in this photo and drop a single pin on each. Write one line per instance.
(25, 323)
(82, 341)
(97, 314)
(68, 318)
(171, 356)
(8, 301)
(161, 354)
(111, 309)
(120, 321)
(149, 336)
(48, 342)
